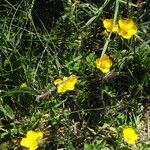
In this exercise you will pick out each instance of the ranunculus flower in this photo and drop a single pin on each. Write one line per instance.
(108, 24)
(67, 84)
(130, 136)
(127, 28)
(104, 63)
(32, 139)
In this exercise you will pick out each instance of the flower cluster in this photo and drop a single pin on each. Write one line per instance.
(67, 84)
(130, 136)
(31, 140)
(125, 27)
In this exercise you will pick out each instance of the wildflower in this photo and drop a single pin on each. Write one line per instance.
(104, 63)
(108, 24)
(130, 136)
(127, 28)
(67, 84)
(23, 85)
(32, 140)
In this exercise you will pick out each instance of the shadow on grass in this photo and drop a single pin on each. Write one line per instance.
(45, 13)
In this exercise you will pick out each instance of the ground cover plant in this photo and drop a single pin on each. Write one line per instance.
(74, 74)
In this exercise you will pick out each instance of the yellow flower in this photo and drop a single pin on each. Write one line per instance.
(127, 28)
(32, 140)
(67, 84)
(130, 136)
(104, 63)
(108, 24)
(23, 86)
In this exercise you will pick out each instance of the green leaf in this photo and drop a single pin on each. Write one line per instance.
(90, 59)
(7, 111)
(93, 146)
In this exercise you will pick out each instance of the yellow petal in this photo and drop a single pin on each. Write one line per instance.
(133, 31)
(127, 28)
(129, 23)
(108, 24)
(121, 23)
(104, 63)
(32, 139)
(105, 70)
(57, 81)
(34, 136)
(126, 36)
(115, 28)
(31, 135)
(130, 135)
(97, 63)
(34, 146)
(71, 83)
(39, 135)
(61, 88)
(25, 142)
(73, 79)
(67, 84)
(124, 33)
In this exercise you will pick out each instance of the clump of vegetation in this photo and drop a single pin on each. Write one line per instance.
(75, 74)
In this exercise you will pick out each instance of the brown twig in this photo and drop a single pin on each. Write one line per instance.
(45, 94)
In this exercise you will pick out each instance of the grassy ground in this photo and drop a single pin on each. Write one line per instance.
(42, 40)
